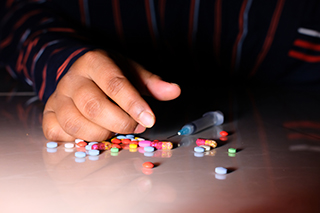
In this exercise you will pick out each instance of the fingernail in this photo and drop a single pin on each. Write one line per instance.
(146, 119)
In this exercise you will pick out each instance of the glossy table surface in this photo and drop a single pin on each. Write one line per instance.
(276, 167)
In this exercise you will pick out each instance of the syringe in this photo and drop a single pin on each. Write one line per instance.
(208, 119)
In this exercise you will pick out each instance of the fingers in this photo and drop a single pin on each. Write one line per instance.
(66, 123)
(116, 86)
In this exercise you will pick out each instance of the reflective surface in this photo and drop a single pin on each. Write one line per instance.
(276, 167)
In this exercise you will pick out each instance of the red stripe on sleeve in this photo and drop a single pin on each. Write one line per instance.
(66, 62)
(269, 38)
(304, 57)
(307, 45)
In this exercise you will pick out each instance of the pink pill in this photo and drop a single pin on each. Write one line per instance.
(144, 143)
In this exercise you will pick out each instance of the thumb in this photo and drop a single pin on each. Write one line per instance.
(153, 85)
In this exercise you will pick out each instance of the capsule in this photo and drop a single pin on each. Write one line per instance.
(162, 145)
(201, 141)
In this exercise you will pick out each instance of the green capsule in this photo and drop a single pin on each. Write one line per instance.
(232, 150)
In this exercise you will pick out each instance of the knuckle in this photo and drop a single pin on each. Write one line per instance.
(71, 126)
(92, 107)
(126, 127)
(115, 85)
(52, 134)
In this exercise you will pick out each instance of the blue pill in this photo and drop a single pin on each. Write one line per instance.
(130, 136)
(80, 154)
(198, 149)
(221, 170)
(94, 152)
(121, 137)
(148, 149)
(52, 144)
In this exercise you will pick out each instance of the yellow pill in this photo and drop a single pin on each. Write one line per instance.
(133, 146)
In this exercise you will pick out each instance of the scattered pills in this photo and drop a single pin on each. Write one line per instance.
(148, 165)
(114, 149)
(232, 150)
(80, 154)
(221, 170)
(198, 149)
(224, 133)
(148, 149)
(69, 145)
(93, 152)
(52, 144)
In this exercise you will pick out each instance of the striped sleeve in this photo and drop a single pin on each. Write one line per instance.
(36, 45)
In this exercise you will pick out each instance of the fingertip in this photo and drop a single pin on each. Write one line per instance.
(165, 91)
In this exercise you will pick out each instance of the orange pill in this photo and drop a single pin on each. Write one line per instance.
(223, 133)
(116, 140)
(148, 165)
(82, 144)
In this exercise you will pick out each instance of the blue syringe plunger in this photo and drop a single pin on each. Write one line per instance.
(208, 119)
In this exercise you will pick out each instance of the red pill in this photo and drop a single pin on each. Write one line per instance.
(95, 146)
(223, 133)
(223, 138)
(126, 141)
(82, 144)
(148, 165)
(116, 146)
(116, 140)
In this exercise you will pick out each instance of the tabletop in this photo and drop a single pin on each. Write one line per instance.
(276, 167)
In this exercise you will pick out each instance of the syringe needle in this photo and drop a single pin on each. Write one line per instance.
(172, 136)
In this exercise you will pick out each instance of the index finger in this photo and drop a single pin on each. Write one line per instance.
(111, 80)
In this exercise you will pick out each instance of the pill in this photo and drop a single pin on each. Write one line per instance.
(91, 143)
(223, 133)
(114, 149)
(221, 170)
(206, 147)
(198, 149)
(148, 165)
(80, 154)
(121, 137)
(201, 141)
(148, 149)
(126, 141)
(69, 145)
(144, 143)
(116, 140)
(82, 144)
(88, 147)
(130, 136)
(232, 150)
(139, 139)
(223, 138)
(133, 146)
(116, 146)
(95, 146)
(78, 140)
(52, 144)
(93, 152)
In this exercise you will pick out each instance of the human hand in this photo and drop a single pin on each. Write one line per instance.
(94, 99)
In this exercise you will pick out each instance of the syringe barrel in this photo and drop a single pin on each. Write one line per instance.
(208, 119)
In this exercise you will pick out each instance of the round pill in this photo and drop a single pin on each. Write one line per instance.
(69, 145)
(93, 152)
(95, 146)
(139, 139)
(114, 149)
(148, 149)
(198, 149)
(232, 150)
(148, 165)
(144, 143)
(221, 170)
(82, 144)
(80, 154)
(126, 141)
(223, 133)
(78, 140)
(116, 140)
(130, 136)
(88, 147)
(133, 146)
(52, 144)
(121, 137)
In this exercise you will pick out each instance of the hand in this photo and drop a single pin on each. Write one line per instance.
(95, 99)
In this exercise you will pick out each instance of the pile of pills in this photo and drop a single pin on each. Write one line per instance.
(114, 146)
